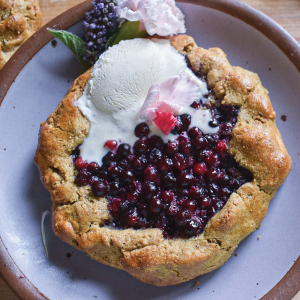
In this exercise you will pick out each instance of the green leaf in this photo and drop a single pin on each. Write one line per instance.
(110, 40)
(112, 36)
(73, 42)
(128, 31)
(44, 214)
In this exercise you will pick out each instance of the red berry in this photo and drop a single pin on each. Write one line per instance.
(149, 190)
(194, 132)
(151, 174)
(114, 205)
(123, 150)
(182, 217)
(80, 163)
(185, 180)
(99, 188)
(111, 144)
(221, 147)
(168, 181)
(127, 176)
(170, 148)
(141, 130)
(180, 162)
(139, 162)
(141, 146)
(212, 174)
(94, 168)
(83, 177)
(200, 168)
(156, 141)
(196, 192)
(199, 142)
(204, 202)
(156, 205)
(165, 165)
(212, 160)
(155, 155)
(190, 205)
(167, 196)
(172, 209)
(108, 158)
(133, 197)
(132, 218)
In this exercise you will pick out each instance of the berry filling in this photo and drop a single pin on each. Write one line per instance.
(177, 186)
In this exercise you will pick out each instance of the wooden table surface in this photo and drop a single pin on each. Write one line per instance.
(284, 12)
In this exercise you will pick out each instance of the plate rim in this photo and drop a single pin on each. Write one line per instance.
(289, 285)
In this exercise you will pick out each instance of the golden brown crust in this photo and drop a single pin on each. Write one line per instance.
(78, 216)
(19, 19)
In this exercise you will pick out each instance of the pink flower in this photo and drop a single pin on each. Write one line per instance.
(160, 17)
(165, 121)
(170, 96)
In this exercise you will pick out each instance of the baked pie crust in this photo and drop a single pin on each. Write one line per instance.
(79, 217)
(18, 21)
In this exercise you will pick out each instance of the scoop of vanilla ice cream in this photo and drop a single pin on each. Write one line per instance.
(118, 87)
(124, 73)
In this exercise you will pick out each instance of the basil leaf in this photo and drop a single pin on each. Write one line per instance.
(73, 42)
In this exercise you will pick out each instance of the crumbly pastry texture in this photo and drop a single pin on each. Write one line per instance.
(19, 19)
(79, 217)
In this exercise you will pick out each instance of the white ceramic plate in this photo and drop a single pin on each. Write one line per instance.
(258, 264)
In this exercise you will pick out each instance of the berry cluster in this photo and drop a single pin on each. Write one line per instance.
(175, 186)
(98, 24)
